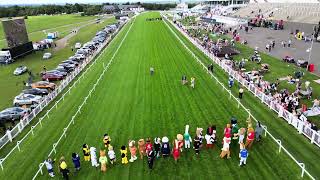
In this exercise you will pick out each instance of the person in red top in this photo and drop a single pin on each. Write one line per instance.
(227, 130)
(176, 151)
(250, 137)
(148, 146)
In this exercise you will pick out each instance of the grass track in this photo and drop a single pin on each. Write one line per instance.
(129, 103)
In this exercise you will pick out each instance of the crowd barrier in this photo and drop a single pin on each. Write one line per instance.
(301, 125)
(266, 132)
(25, 121)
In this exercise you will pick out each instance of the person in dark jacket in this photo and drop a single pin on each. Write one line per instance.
(76, 161)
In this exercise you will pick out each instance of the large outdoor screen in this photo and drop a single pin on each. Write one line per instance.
(15, 32)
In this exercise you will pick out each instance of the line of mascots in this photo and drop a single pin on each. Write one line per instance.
(162, 147)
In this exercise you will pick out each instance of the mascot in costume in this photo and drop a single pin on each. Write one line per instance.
(86, 152)
(176, 150)
(94, 161)
(148, 145)
(133, 150)
(210, 136)
(180, 141)
(106, 140)
(250, 137)
(142, 148)
(199, 135)
(187, 138)
(226, 147)
(157, 146)
(103, 160)
(111, 155)
(165, 147)
(124, 158)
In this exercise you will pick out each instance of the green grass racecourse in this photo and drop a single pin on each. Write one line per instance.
(130, 104)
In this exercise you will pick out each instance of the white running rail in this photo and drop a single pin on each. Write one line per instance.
(266, 132)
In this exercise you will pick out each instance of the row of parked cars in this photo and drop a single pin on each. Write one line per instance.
(35, 93)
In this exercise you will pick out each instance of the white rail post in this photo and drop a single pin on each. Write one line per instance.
(313, 136)
(56, 105)
(72, 119)
(249, 113)
(32, 127)
(40, 168)
(9, 135)
(280, 144)
(40, 121)
(230, 94)
(238, 102)
(1, 165)
(47, 114)
(54, 148)
(65, 132)
(18, 145)
(302, 165)
(265, 130)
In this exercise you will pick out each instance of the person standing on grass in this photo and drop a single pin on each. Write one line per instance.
(258, 131)
(184, 79)
(316, 104)
(49, 165)
(192, 82)
(241, 93)
(230, 81)
(76, 161)
(151, 71)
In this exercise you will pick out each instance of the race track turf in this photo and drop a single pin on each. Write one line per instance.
(130, 104)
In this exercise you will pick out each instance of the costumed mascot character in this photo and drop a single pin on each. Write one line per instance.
(249, 122)
(243, 155)
(180, 141)
(157, 146)
(124, 158)
(241, 133)
(196, 145)
(106, 140)
(227, 130)
(133, 150)
(148, 145)
(64, 168)
(235, 129)
(150, 156)
(210, 136)
(250, 137)
(199, 134)
(142, 148)
(165, 147)
(176, 151)
(226, 147)
(86, 152)
(187, 138)
(111, 154)
(76, 161)
(49, 165)
(94, 161)
(103, 160)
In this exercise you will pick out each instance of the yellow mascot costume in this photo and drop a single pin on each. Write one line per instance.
(124, 158)
(86, 152)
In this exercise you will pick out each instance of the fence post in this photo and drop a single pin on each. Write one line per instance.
(40, 168)
(40, 121)
(1, 165)
(47, 114)
(230, 94)
(18, 143)
(302, 168)
(72, 119)
(280, 146)
(32, 127)
(265, 130)
(9, 135)
(313, 136)
(238, 102)
(64, 132)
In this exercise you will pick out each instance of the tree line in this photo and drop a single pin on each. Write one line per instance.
(86, 9)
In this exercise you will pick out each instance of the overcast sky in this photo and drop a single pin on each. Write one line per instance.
(21, 2)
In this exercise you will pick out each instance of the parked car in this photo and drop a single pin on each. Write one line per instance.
(54, 71)
(23, 99)
(47, 55)
(13, 113)
(77, 45)
(52, 77)
(43, 85)
(68, 67)
(63, 69)
(288, 59)
(20, 70)
(302, 63)
(36, 91)
(71, 62)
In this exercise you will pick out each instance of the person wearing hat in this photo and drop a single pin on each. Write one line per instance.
(64, 168)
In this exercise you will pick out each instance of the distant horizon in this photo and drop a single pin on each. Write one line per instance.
(45, 2)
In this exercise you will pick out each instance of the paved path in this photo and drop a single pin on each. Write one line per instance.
(261, 36)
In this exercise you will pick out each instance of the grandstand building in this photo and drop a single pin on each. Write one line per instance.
(227, 2)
